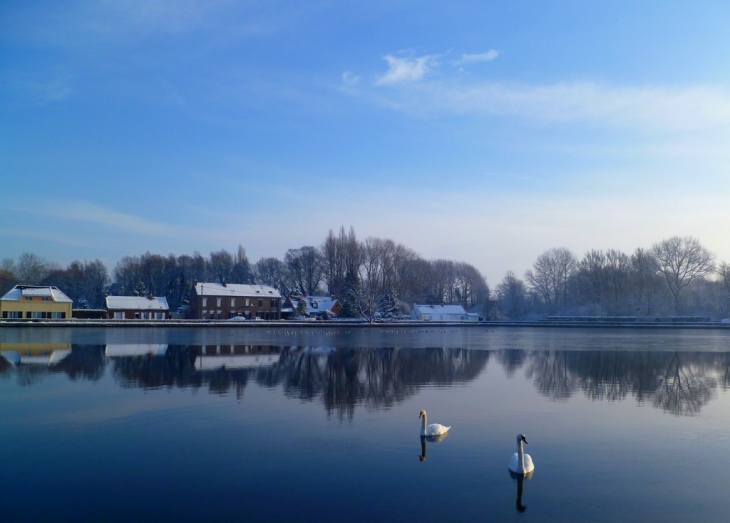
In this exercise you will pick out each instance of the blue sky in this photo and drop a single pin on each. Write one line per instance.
(480, 131)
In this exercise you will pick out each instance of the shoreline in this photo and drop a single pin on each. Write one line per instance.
(86, 323)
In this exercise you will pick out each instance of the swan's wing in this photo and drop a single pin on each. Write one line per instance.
(434, 429)
(529, 467)
(513, 466)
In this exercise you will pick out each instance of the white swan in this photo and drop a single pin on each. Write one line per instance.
(521, 463)
(434, 429)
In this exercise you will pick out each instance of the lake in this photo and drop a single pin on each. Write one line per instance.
(321, 424)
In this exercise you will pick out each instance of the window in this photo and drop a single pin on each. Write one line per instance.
(58, 315)
(12, 314)
(205, 302)
(218, 302)
(160, 315)
(29, 298)
(274, 303)
(233, 302)
(261, 303)
(248, 302)
(118, 315)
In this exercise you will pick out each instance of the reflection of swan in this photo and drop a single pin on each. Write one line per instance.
(434, 429)
(521, 463)
(432, 439)
(520, 479)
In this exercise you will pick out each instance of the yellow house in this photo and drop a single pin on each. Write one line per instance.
(35, 302)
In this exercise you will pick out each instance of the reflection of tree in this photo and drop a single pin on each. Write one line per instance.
(5, 368)
(685, 388)
(511, 360)
(86, 362)
(375, 378)
(175, 369)
(675, 382)
(552, 376)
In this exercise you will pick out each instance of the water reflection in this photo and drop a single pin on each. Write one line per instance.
(677, 382)
(520, 480)
(432, 439)
(342, 379)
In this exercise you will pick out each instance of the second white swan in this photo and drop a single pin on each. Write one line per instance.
(434, 429)
(521, 463)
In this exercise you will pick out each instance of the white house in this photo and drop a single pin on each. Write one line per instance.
(137, 307)
(442, 313)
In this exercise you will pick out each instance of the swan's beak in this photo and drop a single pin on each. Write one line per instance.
(525, 440)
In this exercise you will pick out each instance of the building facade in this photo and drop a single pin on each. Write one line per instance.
(221, 301)
(137, 308)
(35, 302)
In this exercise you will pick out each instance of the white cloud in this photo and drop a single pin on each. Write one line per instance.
(476, 58)
(405, 70)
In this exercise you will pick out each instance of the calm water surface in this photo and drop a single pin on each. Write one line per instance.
(322, 425)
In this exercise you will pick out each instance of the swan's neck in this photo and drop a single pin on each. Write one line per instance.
(423, 424)
(520, 456)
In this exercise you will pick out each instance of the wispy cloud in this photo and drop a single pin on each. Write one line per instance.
(109, 219)
(37, 88)
(476, 58)
(349, 78)
(640, 108)
(406, 70)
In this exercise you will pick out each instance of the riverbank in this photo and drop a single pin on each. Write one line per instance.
(286, 324)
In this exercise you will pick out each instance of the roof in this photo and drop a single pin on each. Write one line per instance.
(137, 303)
(20, 291)
(235, 290)
(314, 303)
(440, 309)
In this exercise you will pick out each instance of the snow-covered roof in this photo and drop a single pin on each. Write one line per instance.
(440, 309)
(235, 290)
(244, 361)
(137, 303)
(20, 291)
(314, 303)
(118, 350)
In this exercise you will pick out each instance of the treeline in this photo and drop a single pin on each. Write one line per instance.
(367, 276)
(676, 276)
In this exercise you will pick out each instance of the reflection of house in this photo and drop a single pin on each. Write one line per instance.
(35, 302)
(221, 301)
(35, 353)
(137, 307)
(211, 357)
(442, 313)
(314, 306)
(121, 350)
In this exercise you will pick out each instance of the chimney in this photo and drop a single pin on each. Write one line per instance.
(224, 283)
(150, 297)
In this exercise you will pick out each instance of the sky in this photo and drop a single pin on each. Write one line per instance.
(480, 131)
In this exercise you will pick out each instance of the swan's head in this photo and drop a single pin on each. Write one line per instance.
(422, 414)
(521, 437)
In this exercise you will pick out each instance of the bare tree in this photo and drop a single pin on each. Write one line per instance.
(550, 277)
(304, 266)
(31, 268)
(646, 285)
(511, 296)
(681, 261)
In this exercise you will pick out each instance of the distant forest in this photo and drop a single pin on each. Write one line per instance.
(676, 276)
